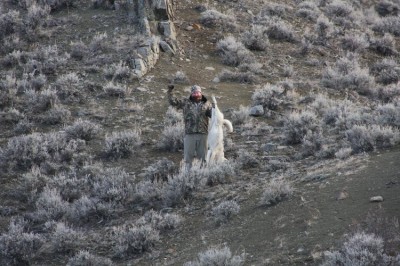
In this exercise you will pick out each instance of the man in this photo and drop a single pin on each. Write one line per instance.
(196, 112)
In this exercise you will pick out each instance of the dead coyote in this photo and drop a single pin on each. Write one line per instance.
(215, 139)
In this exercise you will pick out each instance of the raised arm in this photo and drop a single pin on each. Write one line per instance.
(172, 99)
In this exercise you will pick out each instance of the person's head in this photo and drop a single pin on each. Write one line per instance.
(196, 93)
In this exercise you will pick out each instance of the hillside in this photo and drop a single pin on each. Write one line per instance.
(90, 151)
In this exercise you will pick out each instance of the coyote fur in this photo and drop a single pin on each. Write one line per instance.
(215, 137)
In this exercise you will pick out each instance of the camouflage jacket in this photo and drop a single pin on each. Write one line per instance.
(195, 115)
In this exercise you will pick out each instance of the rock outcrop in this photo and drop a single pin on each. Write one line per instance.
(154, 19)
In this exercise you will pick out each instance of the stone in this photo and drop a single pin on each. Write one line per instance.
(140, 67)
(257, 110)
(167, 29)
(342, 195)
(144, 27)
(166, 47)
(141, 89)
(376, 199)
(269, 147)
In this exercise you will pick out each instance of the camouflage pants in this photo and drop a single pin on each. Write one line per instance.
(194, 145)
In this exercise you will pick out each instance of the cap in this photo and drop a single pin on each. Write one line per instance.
(195, 88)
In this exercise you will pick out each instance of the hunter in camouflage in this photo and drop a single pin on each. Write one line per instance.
(196, 113)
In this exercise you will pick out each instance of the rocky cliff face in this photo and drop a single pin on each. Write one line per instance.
(155, 21)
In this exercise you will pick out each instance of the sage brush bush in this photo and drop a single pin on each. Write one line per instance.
(385, 45)
(65, 239)
(312, 143)
(388, 115)
(269, 96)
(112, 185)
(256, 38)
(276, 191)
(348, 74)
(214, 18)
(36, 17)
(69, 88)
(180, 78)
(55, 115)
(296, 125)
(24, 126)
(181, 186)
(365, 138)
(173, 132)
(274, 10)
(386, 71)
(354, 42)
(78, 50)
(224, 211)
(160, 170)
(122, 144)
(83, 129)
(240, 77)
(251, 68)
(343, 153)
(389, 93)
(11, 116)
(173, 116)
(89, 209)
(387, 8)
(84, 257)
(98, 43)
(115, 90)
(148, 193)
(390, 24)
(324, 29)
(50, 206)
(338, 8)
(308, 10)
(385, 227)
(25, 151)
(117, 72)
(10, 22)
(241, 116)
(280, 30)
(47, 60)
(218, 257)
(172, 137)
(246, 159)
(361, 249)
(17, 246)
(131, 239)
(233, 52)
(57, 4)
(38, 102)
(159, 221)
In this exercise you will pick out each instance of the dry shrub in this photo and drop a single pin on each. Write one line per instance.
(18, 245)
(217, 256)
(83, 129)
(86, 258)
(214, 18)
(277, 190)
(122, 144)
(296, 125)
(233, 52)
(131, 239)
(224, 211)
